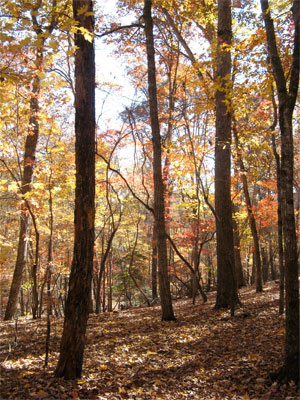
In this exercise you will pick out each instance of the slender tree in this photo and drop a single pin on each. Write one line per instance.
(159, 206)
(252, 220)
(29, 159)
(287, 95)
(77, 305)
(226, 282)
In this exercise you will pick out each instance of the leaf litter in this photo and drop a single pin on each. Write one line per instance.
(205, 354)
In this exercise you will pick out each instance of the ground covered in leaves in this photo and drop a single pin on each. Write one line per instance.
(206, 354)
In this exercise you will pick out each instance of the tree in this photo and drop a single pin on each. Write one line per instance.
(226, 282)
(77, 306)
(159, 206)
(29, 160)
(287, 95)
(252, 221)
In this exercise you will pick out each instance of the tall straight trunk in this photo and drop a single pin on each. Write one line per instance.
(77, 305)
(28, 168)
(226, 281)
(159, 206)
(287, 95)
(252, 221)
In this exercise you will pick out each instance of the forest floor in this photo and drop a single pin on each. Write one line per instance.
(131, 354)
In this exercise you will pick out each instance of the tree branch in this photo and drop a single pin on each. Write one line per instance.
(119, 28)
(126, 183)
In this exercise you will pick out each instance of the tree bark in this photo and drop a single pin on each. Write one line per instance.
(287, 95)
(159, 206)
(154, 266)
(226, 280)
(77, 305)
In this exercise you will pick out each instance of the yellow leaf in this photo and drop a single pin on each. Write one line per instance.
(149, 353)
(81, 381)
(88, 37)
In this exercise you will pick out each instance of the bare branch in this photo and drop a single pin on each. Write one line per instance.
(118, 29)
(126, 183)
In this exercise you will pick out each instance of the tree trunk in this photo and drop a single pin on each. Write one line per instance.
(237, 255)
(226, 281)
(159, 206)
(154, 266)
(252, 221)
(77, 305)
(265, 264)
(279, 221)
(49, 273)
(29, 163)
(287, 95)
(102, 268)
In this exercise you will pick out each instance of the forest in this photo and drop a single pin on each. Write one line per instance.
(149, 199)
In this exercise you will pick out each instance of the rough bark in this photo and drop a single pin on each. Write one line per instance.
(226, 281)
(159, 206)
(77, 305)
(287, 95)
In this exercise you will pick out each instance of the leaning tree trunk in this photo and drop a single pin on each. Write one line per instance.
(287, 95)
(77, 305)
(159, 206)
(29, 154)
(226, 281)
(28, 168)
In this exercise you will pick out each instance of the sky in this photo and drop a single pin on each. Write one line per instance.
(111, 71)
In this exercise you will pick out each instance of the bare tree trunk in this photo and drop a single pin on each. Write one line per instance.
(287, 95)
(77, 307)
(159, 206)
(226, 280)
